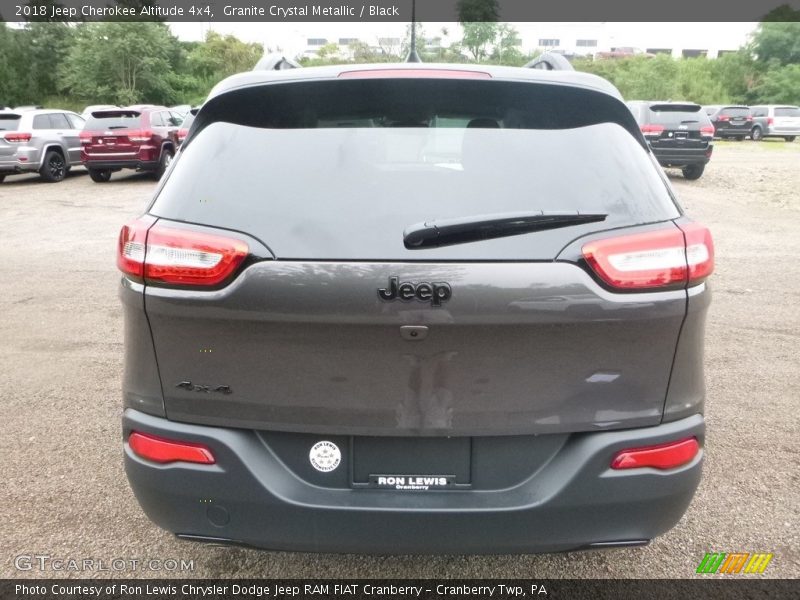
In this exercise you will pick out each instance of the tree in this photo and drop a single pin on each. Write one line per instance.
(477, 37)
(121, 62)
(506, 48)
(222, 56)
(778, 42)
(476, 11)
(779, 85)
(47, 46)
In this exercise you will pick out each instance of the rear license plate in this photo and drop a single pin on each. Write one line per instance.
(418, 483)
(681, 135)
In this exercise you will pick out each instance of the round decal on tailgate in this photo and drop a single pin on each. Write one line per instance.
(325, 456)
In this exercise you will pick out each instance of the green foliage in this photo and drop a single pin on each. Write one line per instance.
(778, 42)
(70, 65)
(221, 56)
(120, 63)
(780, 85)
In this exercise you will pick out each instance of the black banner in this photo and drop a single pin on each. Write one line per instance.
(392, 10)
(720, 587)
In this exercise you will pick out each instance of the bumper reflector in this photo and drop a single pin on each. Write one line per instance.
(161, 450)
(663, 456)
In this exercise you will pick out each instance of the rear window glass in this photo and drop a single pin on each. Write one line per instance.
(187, 121)
(9, 122)
(115, 120)
(342, 179)
(787, 111)
(736, 111)
(678, 114)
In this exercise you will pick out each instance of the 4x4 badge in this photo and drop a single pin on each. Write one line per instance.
(437, 293)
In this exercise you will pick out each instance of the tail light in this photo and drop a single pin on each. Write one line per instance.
(707, 130)
(652, 130)
(159, 253)
(663, 456)
(17, 138)
(770, 121)
(182, 133)
(85, 137)
(667, 257)
(140, 135)
(723, 118)
(748, 118)
(161, 450)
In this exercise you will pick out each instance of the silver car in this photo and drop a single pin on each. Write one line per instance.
(775, 120)
(44, 141)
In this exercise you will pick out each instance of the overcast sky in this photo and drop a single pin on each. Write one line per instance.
(291, 37)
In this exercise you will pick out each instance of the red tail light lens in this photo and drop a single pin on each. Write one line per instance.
(178, 256)
(749, 118)
(654, 259)
(663, 456)
(182, 133)
(707, 131)
(652, 130)
(17, 138)
(723, 118)
(85, 137)
(770, 121)
(143, 135)
(161, 450)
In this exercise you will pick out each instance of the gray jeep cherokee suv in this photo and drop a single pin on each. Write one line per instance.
(414, 308)
(43, 141)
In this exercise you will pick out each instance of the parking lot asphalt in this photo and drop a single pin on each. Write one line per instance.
(65, 495)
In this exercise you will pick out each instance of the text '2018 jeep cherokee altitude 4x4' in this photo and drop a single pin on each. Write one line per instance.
(414, 308)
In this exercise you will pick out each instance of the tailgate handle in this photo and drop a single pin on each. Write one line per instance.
(413, 333)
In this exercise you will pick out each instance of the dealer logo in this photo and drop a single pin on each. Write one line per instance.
(325, 456)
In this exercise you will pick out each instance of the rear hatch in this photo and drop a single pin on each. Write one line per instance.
(787, 119)
(113, 134)
(9, 122)
(677, 126)
(335, 324)
(734, 119)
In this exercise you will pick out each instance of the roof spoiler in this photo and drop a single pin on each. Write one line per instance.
(275, 62)
(550, 61)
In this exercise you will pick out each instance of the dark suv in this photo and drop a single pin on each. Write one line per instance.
(730, 121)
(142, 138)
(679, 133)
(414, 308)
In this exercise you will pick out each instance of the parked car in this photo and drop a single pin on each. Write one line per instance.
(320, 348)
(679, 133)
(144, 139)
(775, 121)
(730, 121)
(43, 141)
(97, 107)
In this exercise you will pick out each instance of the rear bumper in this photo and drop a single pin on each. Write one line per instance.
(682, 157)
(139, 165)
(23, 161)
(572, 501)
(772, 131)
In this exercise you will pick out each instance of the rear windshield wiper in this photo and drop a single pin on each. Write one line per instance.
(446, 232)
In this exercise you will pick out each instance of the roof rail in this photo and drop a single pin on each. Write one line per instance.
(550, 61)
(275, 62)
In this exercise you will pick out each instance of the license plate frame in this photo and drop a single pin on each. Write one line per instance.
(412, 483)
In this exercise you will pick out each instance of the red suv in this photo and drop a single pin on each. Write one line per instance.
(137, 137)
